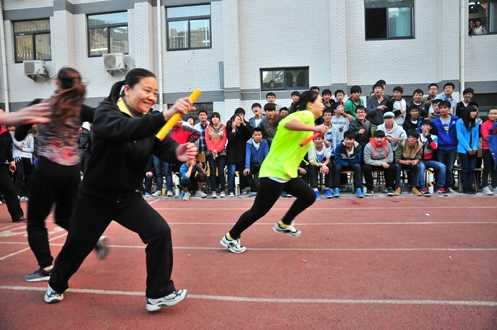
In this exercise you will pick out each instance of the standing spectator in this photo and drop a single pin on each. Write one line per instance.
(447, 96)
(149, 174)
(430, 145)
(330, 137)
(84, 145)
(340, 122)
(256, 120)
(444, 127)
(376, 107)
(348, 158)
(34, 133)
(413, 121)
(395, 134)
(123, 139)
(215, 137)
(256, 151)
(339, 96)
(378, 156)
(328, 103)
(192, 179)
(237, 138)
(407, 157)
(353, 102)
(399, 108)
(417, 95)
(479, 28)
(190, 121)
(489, 137)
(436, 110)
(268, 130)
(295, 102)
(468, 129)
(271, 98)
(200, 127)
(467, 95)
(361, 127)
(432, 95)
(321, 161)
(22, 151)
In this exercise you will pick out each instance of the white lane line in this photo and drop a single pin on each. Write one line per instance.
(341, 223)
(351, 208)
(280, 300)
(27, 249)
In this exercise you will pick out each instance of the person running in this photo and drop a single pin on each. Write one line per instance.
(123, 139)
(56, 176)
(279, 172)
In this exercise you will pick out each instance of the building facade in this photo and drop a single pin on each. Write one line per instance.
(236, 51)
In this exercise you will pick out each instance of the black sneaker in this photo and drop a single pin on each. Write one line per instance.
(169, 300)
(368, 192)
(390, 191)
(52, 297)
(39, 275)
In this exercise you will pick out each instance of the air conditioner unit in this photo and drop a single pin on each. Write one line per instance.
(33, 68)
(115, 62)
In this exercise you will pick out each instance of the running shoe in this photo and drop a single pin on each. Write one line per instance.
(39, 275)
(52, 297)
(290, 230)
(233, 245)
(172, 299)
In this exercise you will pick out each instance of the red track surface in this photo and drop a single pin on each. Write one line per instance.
(375, 263)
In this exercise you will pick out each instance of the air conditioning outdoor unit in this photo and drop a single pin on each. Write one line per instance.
(115, 62)
(35, 68)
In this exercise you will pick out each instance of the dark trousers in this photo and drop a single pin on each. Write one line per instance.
(90, 219)
(467, 171)
(218, 163)
(314, 175)
(268, 194)
(9, 193)
(52, 183)
(24, 167)
(192, 183)
(250, 177)
(357, 174)
(488, 167)
(448, 157)
(389, 174)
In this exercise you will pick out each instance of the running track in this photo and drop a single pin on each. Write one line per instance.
(377, 263)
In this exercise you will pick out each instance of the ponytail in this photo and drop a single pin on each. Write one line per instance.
(67, 101)
(115, 92)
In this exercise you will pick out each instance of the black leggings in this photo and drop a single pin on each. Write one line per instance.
(268, 193)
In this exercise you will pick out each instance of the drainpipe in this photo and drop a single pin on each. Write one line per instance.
(159, 47)
(464, 30)
(5, 79)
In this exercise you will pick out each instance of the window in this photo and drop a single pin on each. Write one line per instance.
(486, 13)
(389, 19)
(189, 27)
(32, 40)
(284, 78)
(108, 33)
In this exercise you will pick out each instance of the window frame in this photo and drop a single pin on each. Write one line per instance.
(105, 26)
(188, 20)
(285, 85)
(386, 4)
(33, 35)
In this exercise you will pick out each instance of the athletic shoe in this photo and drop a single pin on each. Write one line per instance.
(172, 299)
(222, 194)
(157, 193)
(21, 220)
(233, 245)
(147, 195)
(253, 193)
(200, 194)
(214, 195)
(494, 191)
(359, 193)
(416, 192)
(231, 194)
(102, 247)
(318, 195)
(441, 191)
(290, 230)
(368, 192)
(52, 296)
(186, 196)
(337, 192)
(283, 194)
(450, 190)
(23, 199)
(39, 275)
(328, 193)
(425, 192)
(390, 191)
(473, 191)
(398, 191)
(169, 193)
(486, 190)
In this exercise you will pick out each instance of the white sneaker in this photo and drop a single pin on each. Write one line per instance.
(214, 195)
(200, 193)
(52, 296)
(232, 195)
(486, 190)
(222, 194)
(169, 300)
(102, 247)
(233, 245)
(169, 193)
(186, 196)
(157, 193)
(289, 230)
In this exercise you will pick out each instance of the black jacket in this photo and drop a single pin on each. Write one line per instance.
(5, 148)
(236, 144)
(121, 148)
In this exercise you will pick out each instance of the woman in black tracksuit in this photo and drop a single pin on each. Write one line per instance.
(123, 139)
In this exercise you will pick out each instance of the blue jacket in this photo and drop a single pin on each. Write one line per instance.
(464, 137)
(446, 140)
(253, 156)
(341, 157)
(492, 144)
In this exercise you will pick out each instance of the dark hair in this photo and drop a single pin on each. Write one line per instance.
(426, 122)
(239, 110)
(413, 107)
(306, 97)
(339, 91)
(270, 94)
(269, 107)
(413, 132)
(417, 91)
(200, 111)
(295, 93)
(349, 135)
(436, 101)
(326, 110)
(469, 90)
(360, 107)
(377, 85)
(314, 88)
(381, 81)
(432, 84)
(132, 78)
(355, 89)
(379, 133)
(398, 89)
(466, 116)
(67, 101)
(256, 129)
(215, 114)
(450, 84)
(284, 109)
(445, 104)
(326, 91)
(256, 105)
(191, 118)
(473, 103)
(478, 20)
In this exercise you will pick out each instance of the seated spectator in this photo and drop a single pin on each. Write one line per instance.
(413, 119)
(238, 136)
(320, 159)
(256, 151)
(407, 157)
(378, 156)
(393, 132)
(303, 169)
(192, 179)
(348, 158)
(430, 144)
(361, 127)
